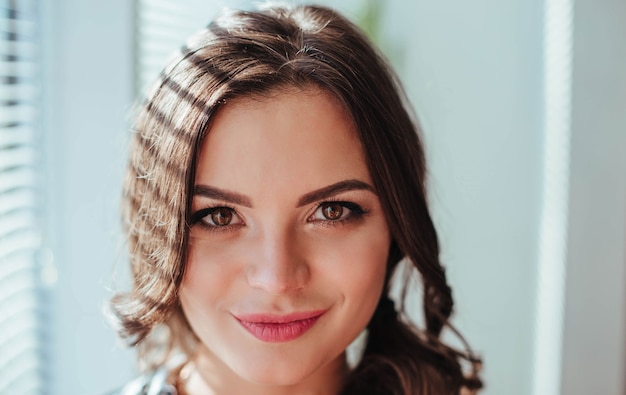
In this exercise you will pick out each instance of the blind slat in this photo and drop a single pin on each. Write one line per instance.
(17, 179)
(21, 68)
(22, 327)
(20, 306)
(162, 25)
(17, 200)
(18, 244)
(21, 92)
(15, 136)
(18, 49)
(24, 381)
(17, 221)
(15, 302)
(24, 356)
(17, 156)
(20, 262)
(24, 27)
(17, 114)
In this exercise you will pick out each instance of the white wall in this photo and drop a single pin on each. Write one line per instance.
(594, 352)
(88, 92)
(474, 73)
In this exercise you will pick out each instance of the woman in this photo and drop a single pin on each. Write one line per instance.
(275, 186)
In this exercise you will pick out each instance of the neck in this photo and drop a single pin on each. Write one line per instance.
(210, 376)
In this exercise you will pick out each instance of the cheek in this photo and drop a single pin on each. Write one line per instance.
(356, 257)
(209, 274)
(356, 266)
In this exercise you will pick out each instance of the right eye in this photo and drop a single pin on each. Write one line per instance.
(217, 217)
(221, 216)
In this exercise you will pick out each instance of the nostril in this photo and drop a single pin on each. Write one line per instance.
(277, 276)
(276, 259)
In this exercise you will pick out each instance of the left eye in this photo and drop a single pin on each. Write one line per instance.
(335, 211)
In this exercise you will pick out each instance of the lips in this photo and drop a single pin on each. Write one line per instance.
(272, 328)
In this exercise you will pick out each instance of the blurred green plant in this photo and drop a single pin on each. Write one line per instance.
(371, 19)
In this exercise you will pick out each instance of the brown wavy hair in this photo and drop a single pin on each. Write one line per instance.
(247, 53)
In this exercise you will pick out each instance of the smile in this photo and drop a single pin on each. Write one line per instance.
(272, 328)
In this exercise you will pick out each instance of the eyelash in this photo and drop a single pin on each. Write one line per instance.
(356, 213)
(196, 218)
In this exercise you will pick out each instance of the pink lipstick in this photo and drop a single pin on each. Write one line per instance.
(273, 328)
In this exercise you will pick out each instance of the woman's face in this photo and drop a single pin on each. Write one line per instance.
(288, 241)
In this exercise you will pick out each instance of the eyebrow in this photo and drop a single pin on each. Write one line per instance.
(222, 194)
(313, 196)
(334, 189)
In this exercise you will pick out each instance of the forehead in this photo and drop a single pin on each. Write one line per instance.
(304, 138)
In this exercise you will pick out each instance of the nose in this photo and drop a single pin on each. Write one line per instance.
(278, 265)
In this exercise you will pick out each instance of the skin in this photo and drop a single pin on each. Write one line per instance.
(278, 253)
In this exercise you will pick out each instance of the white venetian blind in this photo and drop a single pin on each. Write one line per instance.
(161, 29)
(20, 302)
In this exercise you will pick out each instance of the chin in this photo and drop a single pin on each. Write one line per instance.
(273, 374)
